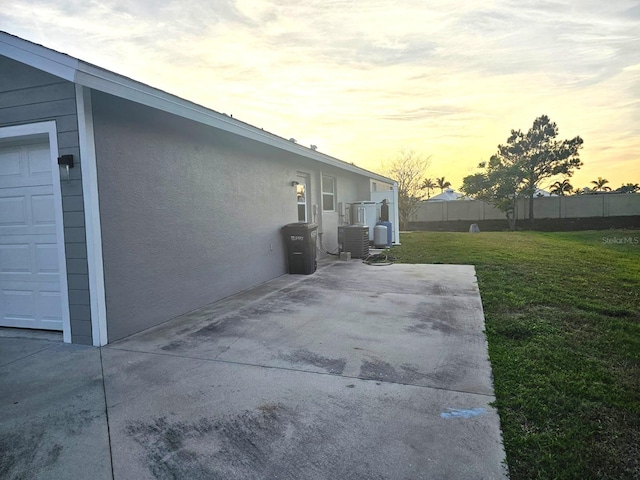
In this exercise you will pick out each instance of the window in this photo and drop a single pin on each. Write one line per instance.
(302, 201)
(328, 194)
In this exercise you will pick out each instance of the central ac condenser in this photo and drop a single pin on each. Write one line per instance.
(354, 239)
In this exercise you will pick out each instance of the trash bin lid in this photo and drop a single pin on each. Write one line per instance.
(301, 226)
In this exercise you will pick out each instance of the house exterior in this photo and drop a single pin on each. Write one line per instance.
(169, 206)
(448, 195)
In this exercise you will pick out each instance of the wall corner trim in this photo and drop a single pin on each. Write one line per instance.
(92, 216)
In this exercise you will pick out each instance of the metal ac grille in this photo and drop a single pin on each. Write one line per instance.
(356, 240)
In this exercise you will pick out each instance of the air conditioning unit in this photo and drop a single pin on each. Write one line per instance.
(354, 239)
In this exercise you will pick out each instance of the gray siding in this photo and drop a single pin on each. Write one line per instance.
(189, 214)
(28, 95)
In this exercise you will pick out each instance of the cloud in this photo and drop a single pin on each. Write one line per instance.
(361, 79)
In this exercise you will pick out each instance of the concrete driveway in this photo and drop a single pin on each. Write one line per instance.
(355, 372)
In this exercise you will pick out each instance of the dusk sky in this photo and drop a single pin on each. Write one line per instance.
(362, 80)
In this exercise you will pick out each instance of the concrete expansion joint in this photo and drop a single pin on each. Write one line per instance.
(291, 369)
(106, 412)
(29, 355)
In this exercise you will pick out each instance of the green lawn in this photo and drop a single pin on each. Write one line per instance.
(563, 323)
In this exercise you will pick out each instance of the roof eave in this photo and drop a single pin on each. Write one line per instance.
(37, 56)
(96, 78)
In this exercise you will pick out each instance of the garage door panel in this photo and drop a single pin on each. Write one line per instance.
(39, 163)
(15, 259)
(29, 266)
(42, 208)
(31, 212)
(29, 165)
(18, 304)
(13, 212)
(10, 162)
(49, 310)
(29, 258)
(46, 255)
(29, 306)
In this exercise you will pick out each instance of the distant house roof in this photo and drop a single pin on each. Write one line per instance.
(448, 195)
(87, 75)
(543, 193)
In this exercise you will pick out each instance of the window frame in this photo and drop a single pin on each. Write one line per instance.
(328, 179)
(302, 204)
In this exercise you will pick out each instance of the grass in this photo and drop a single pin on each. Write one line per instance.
(562, 317)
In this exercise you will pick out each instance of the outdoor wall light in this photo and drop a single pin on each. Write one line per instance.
(66, 161)
(295, 184)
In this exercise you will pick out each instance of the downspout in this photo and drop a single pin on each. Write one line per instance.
(316, 210)
(396, 214)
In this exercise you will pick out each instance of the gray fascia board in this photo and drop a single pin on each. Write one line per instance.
(39, 57)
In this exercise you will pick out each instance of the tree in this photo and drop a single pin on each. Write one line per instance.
(562, 188)
(408, 169)
(629, 188)
(600, 185)
(581, 191)
(442, 184)
(428, 185)
(521, 164)
(540, 156)
(499, 185)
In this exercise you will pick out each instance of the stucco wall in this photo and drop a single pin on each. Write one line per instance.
(190, 214)
(28, 95)
(349, 188)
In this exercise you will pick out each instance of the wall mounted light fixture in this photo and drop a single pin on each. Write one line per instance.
(295, 184)
(66, 161)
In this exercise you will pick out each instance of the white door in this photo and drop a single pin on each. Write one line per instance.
(29, 270)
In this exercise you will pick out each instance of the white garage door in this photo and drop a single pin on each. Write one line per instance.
(29, 273)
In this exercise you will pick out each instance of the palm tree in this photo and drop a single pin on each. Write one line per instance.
(600, 184)
(629, 188)
(428, 185)
(442, 184)
(562, 188)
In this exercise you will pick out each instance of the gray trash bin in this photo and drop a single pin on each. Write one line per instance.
(300, 239)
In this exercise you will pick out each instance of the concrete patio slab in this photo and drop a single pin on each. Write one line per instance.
(413, 324)
(353, 372)
(175, 417)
